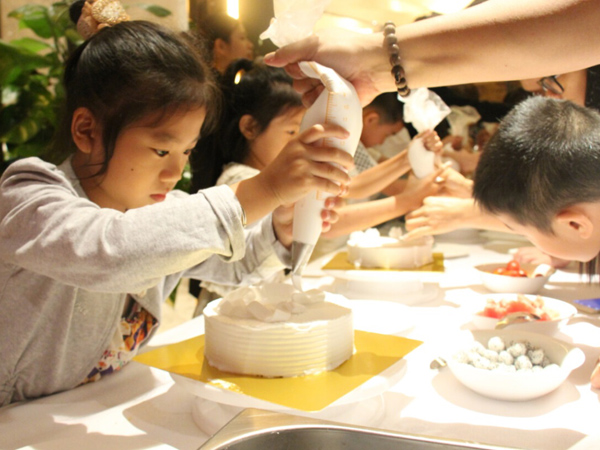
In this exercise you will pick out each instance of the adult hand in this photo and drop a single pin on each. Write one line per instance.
(358, 58)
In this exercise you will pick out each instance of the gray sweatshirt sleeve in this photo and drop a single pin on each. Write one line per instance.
(48, 228)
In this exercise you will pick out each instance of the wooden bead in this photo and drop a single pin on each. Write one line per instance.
(390, 42)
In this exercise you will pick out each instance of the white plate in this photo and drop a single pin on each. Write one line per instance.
(501, 236)
(565, 312)
(396, 286)
(359, 291)
(381, 317)
(451, 251)
(211, 416)
(373, 387)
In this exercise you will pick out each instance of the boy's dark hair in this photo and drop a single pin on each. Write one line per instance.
(544, 157)
(389, 108)
(249, 88)
(129, 71)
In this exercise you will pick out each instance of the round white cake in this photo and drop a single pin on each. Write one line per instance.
(368, 249)
(273, 330)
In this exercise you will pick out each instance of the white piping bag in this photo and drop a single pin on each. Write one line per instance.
(337, 104)
(425, 109)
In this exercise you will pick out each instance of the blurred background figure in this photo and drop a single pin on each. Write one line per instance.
(226, 40)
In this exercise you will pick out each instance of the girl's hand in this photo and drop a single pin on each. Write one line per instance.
(283, 219)
(303, 166)
(432, 141)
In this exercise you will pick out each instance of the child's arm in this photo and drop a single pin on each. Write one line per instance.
(384, 176)
(300, 168)
(375, 179)
(443, 214)
(364, 215)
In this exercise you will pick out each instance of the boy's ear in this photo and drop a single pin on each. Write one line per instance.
(370, 117)
(84, 130)
(248, 127)
(576, 220)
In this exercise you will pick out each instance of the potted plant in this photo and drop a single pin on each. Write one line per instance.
(31, 72)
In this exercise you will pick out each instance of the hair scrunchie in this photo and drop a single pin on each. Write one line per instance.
(98, 14)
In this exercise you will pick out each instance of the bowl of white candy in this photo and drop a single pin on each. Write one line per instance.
(512, 365)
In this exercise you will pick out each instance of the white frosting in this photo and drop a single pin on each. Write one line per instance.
(272, 302)
(369, 249)
(273, 330)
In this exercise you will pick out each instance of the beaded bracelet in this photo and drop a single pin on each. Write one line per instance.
(390, 42)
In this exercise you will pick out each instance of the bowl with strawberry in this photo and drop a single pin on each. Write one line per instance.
(514, 277)
(550, 313)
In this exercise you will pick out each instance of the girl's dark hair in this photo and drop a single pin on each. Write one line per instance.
(216, 26)
(249, 88)
(129, 71)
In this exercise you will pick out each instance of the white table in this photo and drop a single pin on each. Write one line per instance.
(142, 407)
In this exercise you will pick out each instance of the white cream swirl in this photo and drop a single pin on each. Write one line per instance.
(269, 302)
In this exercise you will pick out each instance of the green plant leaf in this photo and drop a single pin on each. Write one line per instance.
(34, 17)
(30, 44)
(15, 60)
(23, 131)
(154, 9)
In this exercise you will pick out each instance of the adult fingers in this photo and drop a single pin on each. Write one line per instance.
(302, 50)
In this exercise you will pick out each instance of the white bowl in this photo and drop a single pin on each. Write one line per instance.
(505, 283)
(520, 385)
(564, 311)
(390, 253)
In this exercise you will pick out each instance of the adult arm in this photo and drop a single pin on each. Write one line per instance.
(496, 40)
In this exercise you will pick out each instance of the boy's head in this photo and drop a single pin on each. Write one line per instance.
(382, 117)
(540, 174)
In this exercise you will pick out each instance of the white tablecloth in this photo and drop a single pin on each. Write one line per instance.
(144, 408)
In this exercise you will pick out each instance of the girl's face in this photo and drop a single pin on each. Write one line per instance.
(265, 147)
(239, 44)
(148, 161)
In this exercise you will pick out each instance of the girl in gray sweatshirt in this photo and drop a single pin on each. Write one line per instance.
(91, 248)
